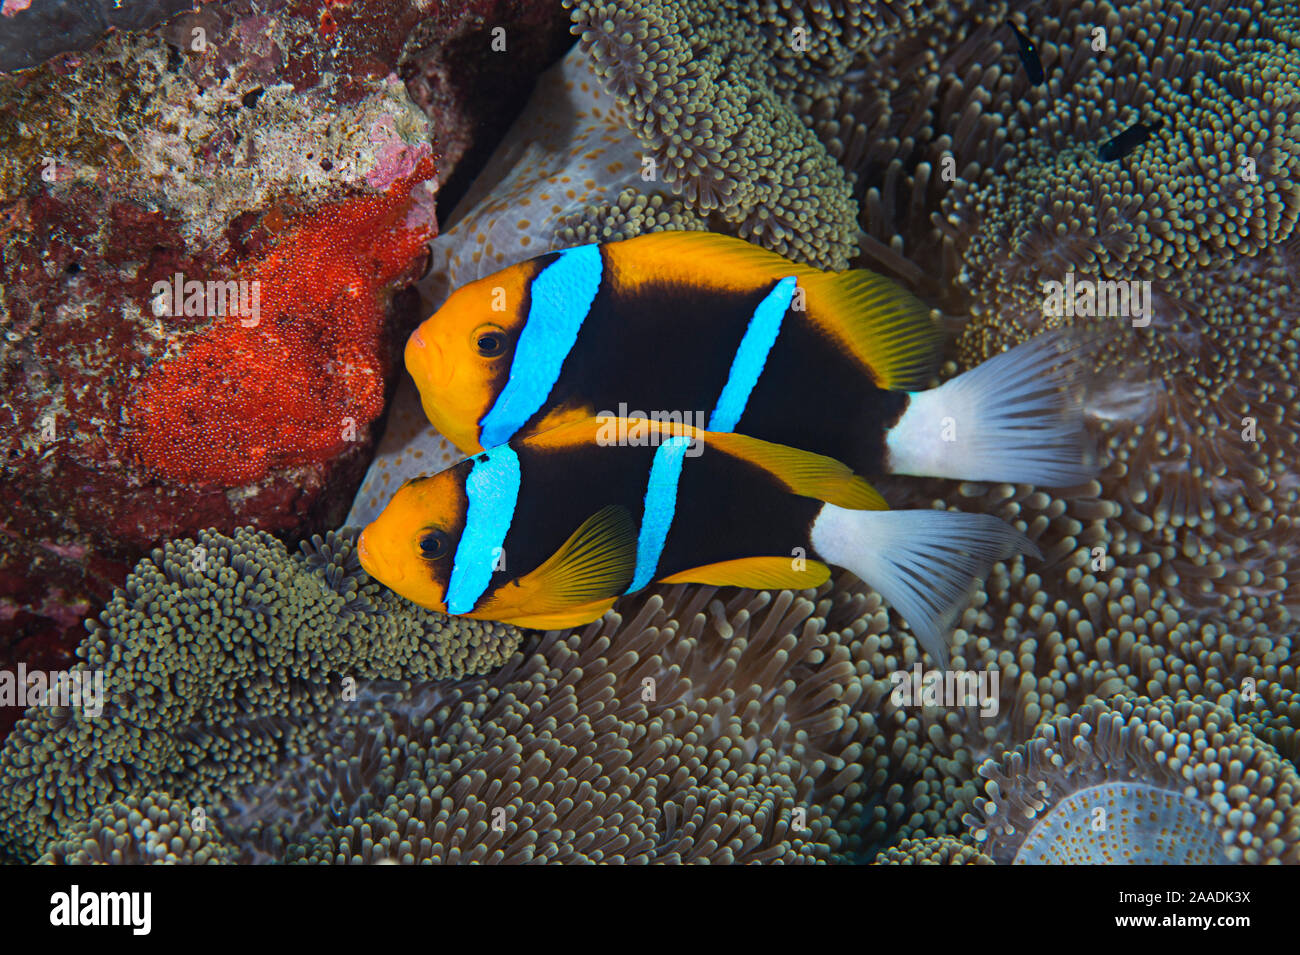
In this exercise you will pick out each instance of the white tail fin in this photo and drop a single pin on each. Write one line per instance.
(1015, 418)
(924, 563)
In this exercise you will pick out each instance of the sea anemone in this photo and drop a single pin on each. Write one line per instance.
(1136, 782)
(149, 830)
(934, 850)
(697, 725)
(629, 214)
(706, 92)
(217, 657)
(689, 730)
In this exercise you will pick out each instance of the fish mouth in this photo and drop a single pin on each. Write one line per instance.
(374, 566)
(425, 359)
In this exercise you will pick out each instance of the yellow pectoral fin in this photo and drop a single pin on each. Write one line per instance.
(756, 573)
(594, 565)
(574, 616)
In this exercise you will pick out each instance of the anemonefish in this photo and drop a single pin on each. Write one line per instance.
(549, 530)
(1028, 55)
(1130, 139)
(715, 332)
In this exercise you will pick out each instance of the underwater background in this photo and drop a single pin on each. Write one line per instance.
(182, 492)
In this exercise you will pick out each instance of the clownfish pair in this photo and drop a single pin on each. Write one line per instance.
(549, 521)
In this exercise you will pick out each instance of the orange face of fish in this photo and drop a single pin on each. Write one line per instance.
(460, 357)
(410, 546)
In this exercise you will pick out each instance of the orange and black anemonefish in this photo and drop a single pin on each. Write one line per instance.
(549, 530)
(711, 330)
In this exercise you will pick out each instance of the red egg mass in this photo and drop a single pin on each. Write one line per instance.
(308, 376)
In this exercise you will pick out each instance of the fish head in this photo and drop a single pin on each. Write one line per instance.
(461, 357)
(410, 547)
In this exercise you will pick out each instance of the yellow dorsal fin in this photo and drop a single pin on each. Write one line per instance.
(888, 328)
(756, 573)
(804, 473)
(562, 416)
(594, 564)
(706, 258)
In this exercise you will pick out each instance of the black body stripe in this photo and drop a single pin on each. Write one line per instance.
(815, 396)
(668, 347)
(726, 509)
(559, 489)
(730, 509)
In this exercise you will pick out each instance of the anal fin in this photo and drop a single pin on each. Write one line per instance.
(756, 573)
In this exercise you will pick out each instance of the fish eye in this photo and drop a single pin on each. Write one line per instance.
(489, 341)
(433, 545)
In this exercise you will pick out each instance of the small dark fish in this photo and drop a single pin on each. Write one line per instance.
(1028, 55)
(1127, 141)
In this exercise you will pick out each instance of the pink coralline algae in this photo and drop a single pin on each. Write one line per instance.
(396, 159)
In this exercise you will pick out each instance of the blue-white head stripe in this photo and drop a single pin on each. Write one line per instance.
(751, 356)
(660, 507)
(492, 489)
(561, 297)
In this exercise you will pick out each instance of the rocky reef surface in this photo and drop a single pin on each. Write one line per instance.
(290, 153)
